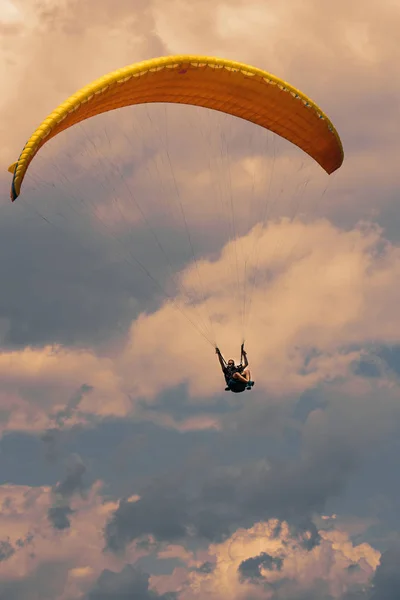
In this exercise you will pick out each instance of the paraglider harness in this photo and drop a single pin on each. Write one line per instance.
(234, 385)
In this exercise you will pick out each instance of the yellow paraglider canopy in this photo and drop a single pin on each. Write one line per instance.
(223, 85)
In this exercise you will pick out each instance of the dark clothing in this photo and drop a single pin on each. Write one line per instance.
(233, 384)
(230, 371)
(236, 386)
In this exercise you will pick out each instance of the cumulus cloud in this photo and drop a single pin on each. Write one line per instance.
(46, 560)
(46, 378)
(130, 582)
(319, 304)
(329, 293)
(268, 562)
(209, 505)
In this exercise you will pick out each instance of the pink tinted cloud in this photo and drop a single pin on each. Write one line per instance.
(37, 383)
(26, 526)
(295, 566)
(326, 289)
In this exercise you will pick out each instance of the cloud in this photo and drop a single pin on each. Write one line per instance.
(328, 293)
(51, 437)
(318, 308)
(66, 413)
(198, 501)
(6, 550)
(251, 567)
(47, 560)
(69, 21)
(227, 497)
(81, 569)
(45, 582)
(267, 562)
(130, 582)
(46, 378)
(386, 581)
(59, 514)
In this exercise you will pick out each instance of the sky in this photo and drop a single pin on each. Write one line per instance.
(144, 237)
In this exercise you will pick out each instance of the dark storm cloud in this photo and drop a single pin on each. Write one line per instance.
(222, 498)
(281, 589)
(64, 289)
(128, 583)
(379, 359)
(367, 368)
(356, 595)
(308, 534)
(353, 568)
(391, 356)
(386, 581)
(205, 568)
(175, 402)
(66, 413)
(51, 437)
(46, 583)
(6, 550)
(119, 452)
(251, 568)
(73, 481)
(59, 514)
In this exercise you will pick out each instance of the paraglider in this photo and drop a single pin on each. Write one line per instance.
(223, 85)
(237, 377)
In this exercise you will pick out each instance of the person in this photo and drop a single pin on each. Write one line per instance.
(237, 377)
